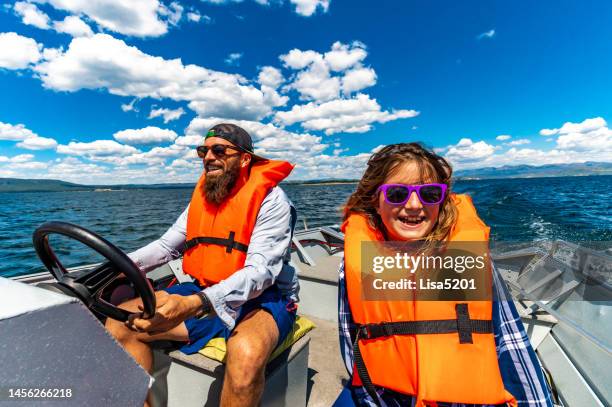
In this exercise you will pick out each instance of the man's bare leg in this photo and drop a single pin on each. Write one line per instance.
(248, 350)
(137, 343)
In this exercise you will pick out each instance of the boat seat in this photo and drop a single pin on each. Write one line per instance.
(196, 380)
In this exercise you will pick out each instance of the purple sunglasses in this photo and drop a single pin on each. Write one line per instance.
(398, 194)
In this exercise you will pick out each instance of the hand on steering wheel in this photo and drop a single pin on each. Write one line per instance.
(88, 285)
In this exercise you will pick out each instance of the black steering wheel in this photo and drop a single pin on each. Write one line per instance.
(88, 285)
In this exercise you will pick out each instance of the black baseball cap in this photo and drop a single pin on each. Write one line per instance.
(235, 135)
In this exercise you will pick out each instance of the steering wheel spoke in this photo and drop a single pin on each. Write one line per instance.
(98, 278)
(88, 285)
(110, 310)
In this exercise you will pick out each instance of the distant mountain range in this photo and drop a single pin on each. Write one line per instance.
(52, 185)
(519, 171)
(531, 171)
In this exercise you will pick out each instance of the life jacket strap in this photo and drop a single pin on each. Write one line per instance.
(463, 325)
(229, 242)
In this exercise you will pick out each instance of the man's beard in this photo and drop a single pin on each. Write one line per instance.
(217, 188)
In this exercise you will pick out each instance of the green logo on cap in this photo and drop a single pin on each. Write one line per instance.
(211, 133)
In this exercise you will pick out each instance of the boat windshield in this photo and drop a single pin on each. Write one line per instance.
(574, 284)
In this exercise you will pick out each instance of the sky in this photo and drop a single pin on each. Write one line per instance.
(122, 91)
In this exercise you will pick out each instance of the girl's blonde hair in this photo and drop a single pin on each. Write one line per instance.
(432, 168)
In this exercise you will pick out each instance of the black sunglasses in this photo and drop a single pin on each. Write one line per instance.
(219, 150)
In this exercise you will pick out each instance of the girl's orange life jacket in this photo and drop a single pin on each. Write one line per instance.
(218, 236)
(445, 367)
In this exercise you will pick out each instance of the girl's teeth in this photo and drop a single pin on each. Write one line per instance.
(411, 220)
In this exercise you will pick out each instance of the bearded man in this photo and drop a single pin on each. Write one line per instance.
(236, 233)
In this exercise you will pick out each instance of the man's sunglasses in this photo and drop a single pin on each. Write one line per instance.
(218, 150)
(398, 194)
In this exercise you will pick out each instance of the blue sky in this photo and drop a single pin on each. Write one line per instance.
(111, 91)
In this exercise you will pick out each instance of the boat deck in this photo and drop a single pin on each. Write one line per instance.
(326, 372)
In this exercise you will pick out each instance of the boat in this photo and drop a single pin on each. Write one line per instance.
(561, 290)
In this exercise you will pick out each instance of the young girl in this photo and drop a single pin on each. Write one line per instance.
(420, 353)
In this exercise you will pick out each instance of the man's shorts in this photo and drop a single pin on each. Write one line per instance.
(201, 331)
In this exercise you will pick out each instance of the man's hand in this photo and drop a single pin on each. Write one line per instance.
(171, 310)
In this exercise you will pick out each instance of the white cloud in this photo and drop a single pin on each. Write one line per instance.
(173, 12)
(503, 137)
(31, 15)
(28, 139)
(168, 114)
(298, 59)
(192, 140)
(486, 34)
(358, 79)
(548, 132)
(17, 52)
(343, 56)
(21, 158)
(194, 16)
(322, 76)
(342, 115)
(233, 59)
(327, 166)
(596, 141)
(147, 135)
(140, 18)
(74, 170)
(181, 163)
(73, 26)
(15, 132)
(34, 165)
(38, 143)
(589, 136)
(155, 156)
(102, 61)
(518, 142)
(468, 151)
(270, 76)
(315, 83)
(304, 8)
(307, 8)
(128, 107)
(582, 127)
(222, 1)
(97, 148)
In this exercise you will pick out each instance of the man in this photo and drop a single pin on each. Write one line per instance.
(236, 233)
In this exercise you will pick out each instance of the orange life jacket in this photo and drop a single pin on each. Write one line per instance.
(218, 236)
(458, 366)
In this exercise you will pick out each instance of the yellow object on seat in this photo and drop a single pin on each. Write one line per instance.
(216, 348)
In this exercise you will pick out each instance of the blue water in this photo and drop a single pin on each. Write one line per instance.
(569, 208)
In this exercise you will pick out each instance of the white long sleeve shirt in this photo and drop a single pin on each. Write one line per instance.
(267, 260)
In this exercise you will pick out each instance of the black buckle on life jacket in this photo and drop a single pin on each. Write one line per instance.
(371, 331)
(229, 243)
(362, 332)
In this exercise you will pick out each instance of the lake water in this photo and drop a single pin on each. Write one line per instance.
(569, 208)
